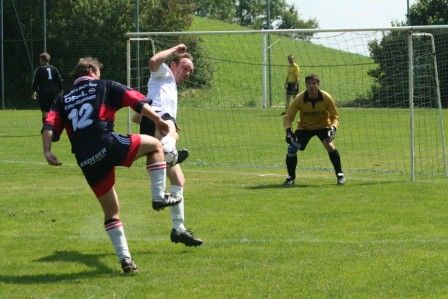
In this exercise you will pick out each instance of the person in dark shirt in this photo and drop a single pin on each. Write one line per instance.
(47, 83)
(87, 113)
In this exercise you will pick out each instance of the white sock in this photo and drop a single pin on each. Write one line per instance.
(177, 211)
(114, 229)
(157, 177)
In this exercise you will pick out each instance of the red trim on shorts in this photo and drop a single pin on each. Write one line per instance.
(136, 140)
(105, 184)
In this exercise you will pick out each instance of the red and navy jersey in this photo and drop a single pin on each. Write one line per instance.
(87, 110)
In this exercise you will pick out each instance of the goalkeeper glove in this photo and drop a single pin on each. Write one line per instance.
(290, 137)
(331, 134)
(34, 96)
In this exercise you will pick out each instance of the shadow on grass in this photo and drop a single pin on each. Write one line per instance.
(278, 186)
(58, 257)
(350, 184)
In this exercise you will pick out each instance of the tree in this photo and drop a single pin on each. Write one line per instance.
(96, 28)
(390, 49)
(223, 10)
(290, 19)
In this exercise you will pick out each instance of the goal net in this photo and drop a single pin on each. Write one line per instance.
(385, 83)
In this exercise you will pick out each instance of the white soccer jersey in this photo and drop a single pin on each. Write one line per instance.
(162, 90)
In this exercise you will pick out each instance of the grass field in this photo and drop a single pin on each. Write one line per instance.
(378, 236)
(236, 61)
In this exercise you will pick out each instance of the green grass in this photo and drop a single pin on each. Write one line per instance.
(237, 66)
(379, 236)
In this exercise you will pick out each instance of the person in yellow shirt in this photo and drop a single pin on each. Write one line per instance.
(292, 81)
(318, 117)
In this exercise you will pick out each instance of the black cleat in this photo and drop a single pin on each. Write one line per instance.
(167, 201)
(341, 178)
(128, 266)
(185, 237)
(289, 181)
(182, 155)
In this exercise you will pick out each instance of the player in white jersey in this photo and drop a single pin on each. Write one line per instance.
(162, 91)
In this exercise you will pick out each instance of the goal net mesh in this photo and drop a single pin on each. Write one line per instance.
(230, 107)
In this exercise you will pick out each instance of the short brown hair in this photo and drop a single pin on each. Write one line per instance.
(178, 57)
(84, 65)
(45, 57)
(312, 77)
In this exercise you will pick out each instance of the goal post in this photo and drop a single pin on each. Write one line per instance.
(386, 126)
(440, 116)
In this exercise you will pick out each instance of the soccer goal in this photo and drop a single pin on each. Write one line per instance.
(390, 85)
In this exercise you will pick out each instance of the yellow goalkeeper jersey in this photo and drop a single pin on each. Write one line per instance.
(314, 114)
(293, 73)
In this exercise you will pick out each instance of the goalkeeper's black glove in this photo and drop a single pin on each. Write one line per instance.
(331, 134)
(290, 137)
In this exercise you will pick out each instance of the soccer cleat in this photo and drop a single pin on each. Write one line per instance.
(185, 237)
(128, 266)
(182, 155)
(167, 201)
(341, 178)
(289, 181)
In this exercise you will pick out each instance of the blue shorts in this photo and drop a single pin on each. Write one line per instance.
(98, 160)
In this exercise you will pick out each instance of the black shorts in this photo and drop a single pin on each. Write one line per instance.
(304, 136)
(148, 127)
(292, 88)
(98, 160)
(45, 101)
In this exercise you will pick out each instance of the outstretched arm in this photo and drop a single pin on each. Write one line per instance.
(156, 61)
(47, 136)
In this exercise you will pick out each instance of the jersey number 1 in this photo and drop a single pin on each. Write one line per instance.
(50, 77)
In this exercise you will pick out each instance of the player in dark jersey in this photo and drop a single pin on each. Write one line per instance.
(47, 83)
(87, 112)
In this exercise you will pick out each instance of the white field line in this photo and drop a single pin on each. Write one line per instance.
(209, 171)
(282, 241)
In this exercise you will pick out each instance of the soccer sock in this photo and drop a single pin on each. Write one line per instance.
(335, 160)
(157, 177)
(114, 229)
(177, 211)
(291, 164)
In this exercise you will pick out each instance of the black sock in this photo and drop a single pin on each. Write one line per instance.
(335, 160)
(291, 163)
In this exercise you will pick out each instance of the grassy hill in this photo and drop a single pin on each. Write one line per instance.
(237, 64)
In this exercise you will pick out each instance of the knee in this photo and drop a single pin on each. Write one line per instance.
(330, 147)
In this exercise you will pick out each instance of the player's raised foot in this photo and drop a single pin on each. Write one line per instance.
(128, 266)
(340, 178)
(167, 201)
(182, 155)
(185, 237)
(289, 181)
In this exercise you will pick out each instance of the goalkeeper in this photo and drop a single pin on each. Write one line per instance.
(318, 117)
